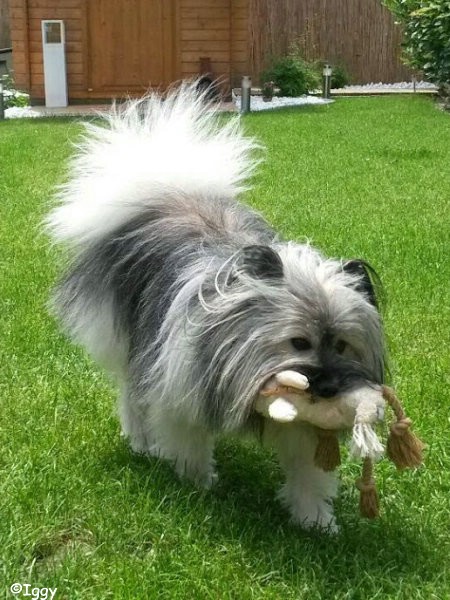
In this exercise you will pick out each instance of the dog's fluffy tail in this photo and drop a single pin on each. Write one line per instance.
(144, 151)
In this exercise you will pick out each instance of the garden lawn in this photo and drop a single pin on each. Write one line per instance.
(360, 178)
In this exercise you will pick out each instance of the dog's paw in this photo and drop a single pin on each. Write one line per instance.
(208, 480)
(308, 512)
(325, 523)
(140, 444)
(201, 478)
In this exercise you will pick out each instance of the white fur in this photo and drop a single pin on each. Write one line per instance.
(308, 491)
(176, 147)
(154, 431)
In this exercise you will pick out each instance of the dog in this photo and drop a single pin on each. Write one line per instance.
(193, 301)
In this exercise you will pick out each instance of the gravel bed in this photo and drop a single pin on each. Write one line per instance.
(402, 85)
(258, 104)
(18, 112)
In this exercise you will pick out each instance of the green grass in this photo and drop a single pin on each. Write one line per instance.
(361, 178)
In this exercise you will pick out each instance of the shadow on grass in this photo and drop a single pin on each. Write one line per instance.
(243, 509)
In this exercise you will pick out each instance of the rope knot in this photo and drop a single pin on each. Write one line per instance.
(366, 486)
(401, 427)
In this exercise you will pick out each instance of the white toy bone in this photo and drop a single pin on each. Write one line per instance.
(280, 409)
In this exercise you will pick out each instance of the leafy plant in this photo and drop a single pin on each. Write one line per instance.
(426, 27)
(339, 76)
(11, 96)
(293, 75)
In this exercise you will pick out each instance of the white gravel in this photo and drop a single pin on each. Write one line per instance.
(18, 112)
(402, 85)
(257, 103)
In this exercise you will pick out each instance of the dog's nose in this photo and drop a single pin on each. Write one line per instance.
(326, 389)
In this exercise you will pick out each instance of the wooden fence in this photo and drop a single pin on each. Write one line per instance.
(358, 34)
(5, 36)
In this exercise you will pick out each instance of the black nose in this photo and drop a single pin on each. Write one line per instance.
(326, 389)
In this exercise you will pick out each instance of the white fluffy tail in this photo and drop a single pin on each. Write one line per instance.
(149, 148)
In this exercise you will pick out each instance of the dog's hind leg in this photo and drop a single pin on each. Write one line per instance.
(308, 491)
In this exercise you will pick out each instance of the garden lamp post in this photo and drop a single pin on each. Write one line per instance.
(327, 72)
(246, 86)
(2, 107)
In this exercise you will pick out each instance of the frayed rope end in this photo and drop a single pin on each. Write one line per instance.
(403, 447)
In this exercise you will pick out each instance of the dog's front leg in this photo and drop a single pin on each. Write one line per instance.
(308, 491)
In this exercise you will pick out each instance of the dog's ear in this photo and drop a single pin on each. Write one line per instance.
(369, 281)
(260, 262)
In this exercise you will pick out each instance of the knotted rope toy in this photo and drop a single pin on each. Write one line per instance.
(285, 398)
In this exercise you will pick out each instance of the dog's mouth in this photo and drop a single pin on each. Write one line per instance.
(312, 383)
(333, 378)
(285, 382)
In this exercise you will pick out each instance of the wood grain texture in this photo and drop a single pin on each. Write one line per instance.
(359, 34)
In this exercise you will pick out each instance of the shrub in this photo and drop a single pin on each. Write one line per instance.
(292, 75)
(426, 27)
(11, 96)
(339, 77)
(295, 76)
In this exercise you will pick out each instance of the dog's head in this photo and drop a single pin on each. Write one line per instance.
(285, 307)
(340, 341)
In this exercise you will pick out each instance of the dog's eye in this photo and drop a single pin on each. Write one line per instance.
(301, 344)
(340, 346)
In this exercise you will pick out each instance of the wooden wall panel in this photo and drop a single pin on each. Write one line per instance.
(240, 41)
(205, 32)
(26, 17)
(18, 15)
(131, 45)
(200, 28)
(71, 12)
(217, 29)
(5, 33)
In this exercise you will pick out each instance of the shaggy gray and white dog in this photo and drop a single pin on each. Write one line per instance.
(193, 301)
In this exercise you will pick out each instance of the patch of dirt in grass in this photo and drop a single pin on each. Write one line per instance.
(51, 551)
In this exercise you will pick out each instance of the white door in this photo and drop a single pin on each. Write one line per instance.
(54, 55)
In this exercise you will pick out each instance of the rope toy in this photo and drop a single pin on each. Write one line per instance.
(285, 398)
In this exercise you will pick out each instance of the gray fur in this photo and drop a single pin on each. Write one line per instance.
(203, 333)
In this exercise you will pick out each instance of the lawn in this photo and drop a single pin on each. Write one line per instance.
(360, 178)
